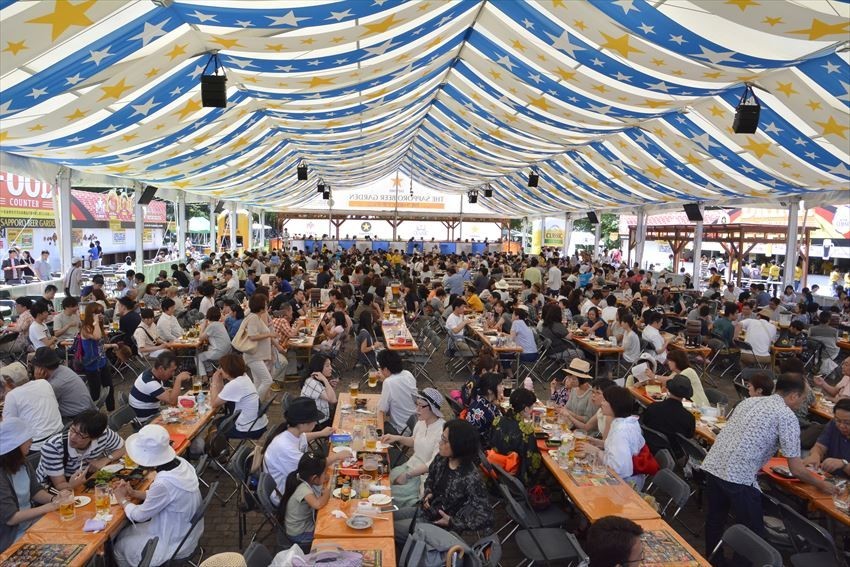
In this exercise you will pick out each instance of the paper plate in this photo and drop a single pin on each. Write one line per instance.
(80, 501)
(359, 522)
(380, 499)
(113, 468)
(342, 449)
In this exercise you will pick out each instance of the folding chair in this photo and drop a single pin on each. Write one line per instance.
(551, 517)
(666, 484)
(121, 417)
(257, 555)
(196, 519)
(220, 439)
(265, 488)
(148, 551)
(747, 544)
(695, 454)
(814, 545)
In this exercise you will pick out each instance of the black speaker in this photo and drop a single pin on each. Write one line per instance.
(219, 207)
(147, 195)
(320, 188)
(302, 172)
(326, 195)
(693, 212)
(747, 113)
(488, 192)
(591, 216)
(214, 91)
(533, 179)
(472, 196)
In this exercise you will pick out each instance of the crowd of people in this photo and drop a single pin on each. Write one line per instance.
(244, 309)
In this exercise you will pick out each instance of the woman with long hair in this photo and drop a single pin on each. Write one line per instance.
(96, 367)
(513, 432)
(484, 407)
(319, 384)
(230, 385)
(367, 343)
(256, 328)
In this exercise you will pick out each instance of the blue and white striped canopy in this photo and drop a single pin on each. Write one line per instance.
(616, 103)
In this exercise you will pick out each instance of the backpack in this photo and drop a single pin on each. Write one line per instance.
(428, 545)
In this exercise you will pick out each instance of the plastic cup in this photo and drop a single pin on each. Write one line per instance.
(365, 481)
(102, 499)
(373, 379)
(353, 389)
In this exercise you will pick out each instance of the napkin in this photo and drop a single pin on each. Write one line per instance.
(94, 525)
(338, 514)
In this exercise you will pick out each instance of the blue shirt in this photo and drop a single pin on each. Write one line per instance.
(232, 325)
(584, 279)
(250, 287)
(454, 284)
(837, 445)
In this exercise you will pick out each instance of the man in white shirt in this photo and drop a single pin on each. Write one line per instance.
(397, 393)
(168, 327)
(760, 334)
(456, 323)
(31, 400)
(147, 338)
(39, 334)
(652, 334)
(42, 267)
(553, 279)
(232, 285)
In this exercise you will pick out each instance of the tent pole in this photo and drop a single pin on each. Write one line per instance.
(213, 225)
(140, 230)
(181, 224)
(233, 218)
(791, 242)
(597, 236)
(696, 279)
(66, 244)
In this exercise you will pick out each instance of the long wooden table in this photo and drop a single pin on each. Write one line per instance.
(822, 410)
(50, 528)
(596, 502)
(654, 529)
(500, 346)
(329, 527)
(395, 328)
(814, 498)
(386, 545)
(599, 349)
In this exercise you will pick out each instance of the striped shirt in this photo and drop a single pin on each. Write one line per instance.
(144, 395)
(53, 454)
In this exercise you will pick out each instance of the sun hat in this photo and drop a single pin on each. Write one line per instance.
(302, 410)
(14, 432)
(45, 357)
(151, 446)
(226, 559)
(76, 261)
(579, 368)
(433, 398)
(502, 284)
(16, 371)
(680, 387)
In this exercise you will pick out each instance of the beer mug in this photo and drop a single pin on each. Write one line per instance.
(66, 505)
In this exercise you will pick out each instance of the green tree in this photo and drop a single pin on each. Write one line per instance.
(610, 224)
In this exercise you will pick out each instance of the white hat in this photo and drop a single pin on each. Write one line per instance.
(578, 368)
(502, 284)
(16, 372)
(14, 432)
(151, 446)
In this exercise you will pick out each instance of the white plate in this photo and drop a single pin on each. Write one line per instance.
(113, 468)
(380, 499)
(337, 493)
(80, 501)
(359, 522)
(342, 449)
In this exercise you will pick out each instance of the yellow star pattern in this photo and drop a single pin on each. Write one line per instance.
(717, 111)
(36, 128)
(772, 21)
(833, 127)
(152, 73)
(565, 74)
(225, 42)
(814, 105)
(14, 47)
(819, 29)
(539, 103)
(95, 149)
(761, 149)
(318, 81)
(177, 50)
(115, 91)
(656, 171)
(619, 44)
(742, 4)
(786, 88)
(191, 106)
(382, 26)
(64, 15)
(77, 114)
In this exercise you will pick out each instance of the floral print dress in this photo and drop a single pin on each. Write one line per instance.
(481, 413)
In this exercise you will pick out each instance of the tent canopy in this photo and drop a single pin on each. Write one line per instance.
(199, 224)
(616, 104)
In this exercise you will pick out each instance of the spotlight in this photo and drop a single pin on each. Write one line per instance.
(488, 190)
(472, 196)
(747, 113)
(533, 178)
(214, 87)
(302, 171)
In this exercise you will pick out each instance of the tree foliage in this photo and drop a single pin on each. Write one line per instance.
(610, 225)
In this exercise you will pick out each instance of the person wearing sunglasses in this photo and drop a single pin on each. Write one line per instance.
(88, 446)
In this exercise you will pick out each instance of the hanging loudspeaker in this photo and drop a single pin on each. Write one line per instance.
(214, 91)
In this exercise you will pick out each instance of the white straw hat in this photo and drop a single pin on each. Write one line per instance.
(151, 446)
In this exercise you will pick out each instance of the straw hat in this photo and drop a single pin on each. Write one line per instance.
(579, 368)
(151, 446)
(227, 559)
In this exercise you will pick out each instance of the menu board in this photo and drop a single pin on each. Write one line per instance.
(44, 554)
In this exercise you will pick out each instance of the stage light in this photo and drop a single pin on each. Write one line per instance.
(214, 87)
(472, 196)
(488, 190)
(747, 113)
(302, 171)
(533, 179)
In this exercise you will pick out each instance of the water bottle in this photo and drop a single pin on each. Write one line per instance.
(528, 383)
(201, 402)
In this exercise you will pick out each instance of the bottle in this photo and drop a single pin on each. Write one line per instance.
(201, 402)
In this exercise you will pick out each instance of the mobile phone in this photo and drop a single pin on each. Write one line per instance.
(783, 472)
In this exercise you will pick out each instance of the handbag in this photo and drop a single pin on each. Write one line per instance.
(329, 555)
(241, 342)
(644, 462)
(510, 462)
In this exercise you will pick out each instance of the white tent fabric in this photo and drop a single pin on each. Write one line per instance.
(199, 224)
(616, 104)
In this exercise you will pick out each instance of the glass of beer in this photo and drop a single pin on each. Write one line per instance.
(197, 383)
(580, 437)
(550, 410)
(371, 443)
(353, 390)
(373, 378)
(345, 492)
(102, 499)
(66, 505)
(128, 462)
(365, 481)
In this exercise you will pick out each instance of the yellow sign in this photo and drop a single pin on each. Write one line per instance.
(554, 236)
(114, 225)
(19, 238)
(147, 236)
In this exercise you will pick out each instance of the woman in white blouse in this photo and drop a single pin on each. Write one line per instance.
(624, 439)
(409, 478)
